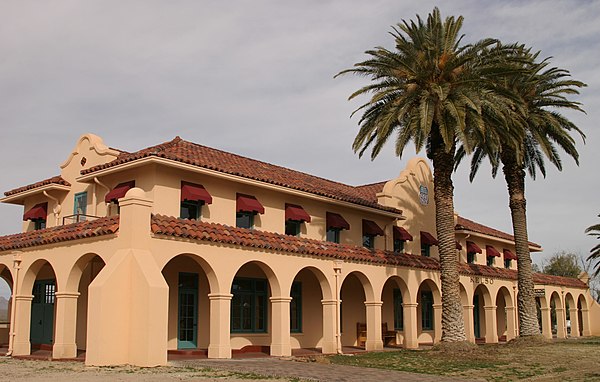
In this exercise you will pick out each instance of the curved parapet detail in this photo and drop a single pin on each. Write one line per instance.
(89, 142)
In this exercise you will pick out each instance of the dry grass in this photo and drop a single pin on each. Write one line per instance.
(524, 359)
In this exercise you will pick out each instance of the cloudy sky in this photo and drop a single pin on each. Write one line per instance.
(256, 78)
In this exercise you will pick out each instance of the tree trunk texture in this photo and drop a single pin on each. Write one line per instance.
(515, 181)
(453, 326)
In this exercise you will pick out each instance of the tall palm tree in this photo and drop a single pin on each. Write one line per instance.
(594, 230)
(432, 90)
(541, 90)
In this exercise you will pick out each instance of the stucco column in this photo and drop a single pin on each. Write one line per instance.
(22, 325)
(511, 327)
(561, 327)
(437, 323)
(469, 325)
(374, 341)
(66, 325)
(546, 326)
(491, 324)
(219, 338)
(574, 322)
(585, 316)
(280, 326)
(411, 339)
(329, 327)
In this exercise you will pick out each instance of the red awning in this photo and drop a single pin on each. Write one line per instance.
(491, 251)
(458, 246)
(427, 238)
(119, 191)
(473, 248)
(37, 212)
(248, 203)
(194, 193)
(369, 227)
(508, 255)
(295, 212)
(336, 221)
(401, 234)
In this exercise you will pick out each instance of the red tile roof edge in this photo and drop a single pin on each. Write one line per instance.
(219, 233)
(263, 171)
(54, 180)
(58, 234)
(470, 225)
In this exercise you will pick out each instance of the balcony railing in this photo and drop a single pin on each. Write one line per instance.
(77, 218)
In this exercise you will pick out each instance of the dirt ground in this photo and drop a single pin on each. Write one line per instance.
(43, 371)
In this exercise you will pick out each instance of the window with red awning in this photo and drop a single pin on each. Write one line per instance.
(371, 228)
(336, 221)
(248, 203)
(508, 255)
(37, 212)
(491, 251)
(473, 248)
(119, 191)
(428, 239)
(191, 192)
(296, 213)
(401, 234)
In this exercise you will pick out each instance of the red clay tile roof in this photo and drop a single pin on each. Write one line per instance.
(469, 225)
(369, 191)
(54, 180)
(197, 155)
(75, 231)
(219, 233)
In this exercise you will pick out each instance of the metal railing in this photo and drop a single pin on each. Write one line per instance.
(77, 218)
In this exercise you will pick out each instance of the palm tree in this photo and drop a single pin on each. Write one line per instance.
(541, 90)
(432, 90)
(594, 230)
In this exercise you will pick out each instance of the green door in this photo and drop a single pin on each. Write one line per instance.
(476, 316)
(187, 329)
(42, 312)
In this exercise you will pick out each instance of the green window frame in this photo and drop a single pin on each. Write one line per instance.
(471, 257)
(399, 245)
(333, 235)
(398, 310)
(249, 305)
(426, 310)
(190, 209)
(39, 224)
(296, 308)
(292, 227)
(369, 241)
(507, 263)
(244, 219)
(80, 204)
(490, 261)
(425, 250)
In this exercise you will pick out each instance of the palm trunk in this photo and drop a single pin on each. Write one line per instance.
(515, 181)
(453, 326)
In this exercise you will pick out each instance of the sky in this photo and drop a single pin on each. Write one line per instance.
(256, 78)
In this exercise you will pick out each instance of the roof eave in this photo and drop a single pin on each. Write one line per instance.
(219, 174)
(532, 248)
(19, 197)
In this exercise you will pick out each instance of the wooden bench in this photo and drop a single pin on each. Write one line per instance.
(388, 336)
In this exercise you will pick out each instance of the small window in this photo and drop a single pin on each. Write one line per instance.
(292, 227)
(507, 263)
(296, 308)
(333, 235)
(190, 209)
(427, 310)
(398, 311)
(39, 224)
(244, 219)
(369, 241)
(80, 205)
(399, 245)
(490, 261)
(471, 257)
(425, 250)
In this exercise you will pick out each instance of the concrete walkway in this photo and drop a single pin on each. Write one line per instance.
(311, 370)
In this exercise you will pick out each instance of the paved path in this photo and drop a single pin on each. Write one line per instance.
(312, 371)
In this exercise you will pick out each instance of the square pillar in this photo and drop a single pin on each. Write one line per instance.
(411, 340)
(65, 325)
(491, 325)
(469, 324)
(437, 323)
(329, 345)
(220, 340)
(574, 322)
(22, 324)
(561, 327)
(374, 340)
(280, 326)
(546, 329)
(511, 323)
(585, 317)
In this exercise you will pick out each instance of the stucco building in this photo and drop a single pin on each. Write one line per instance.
(130, 256)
